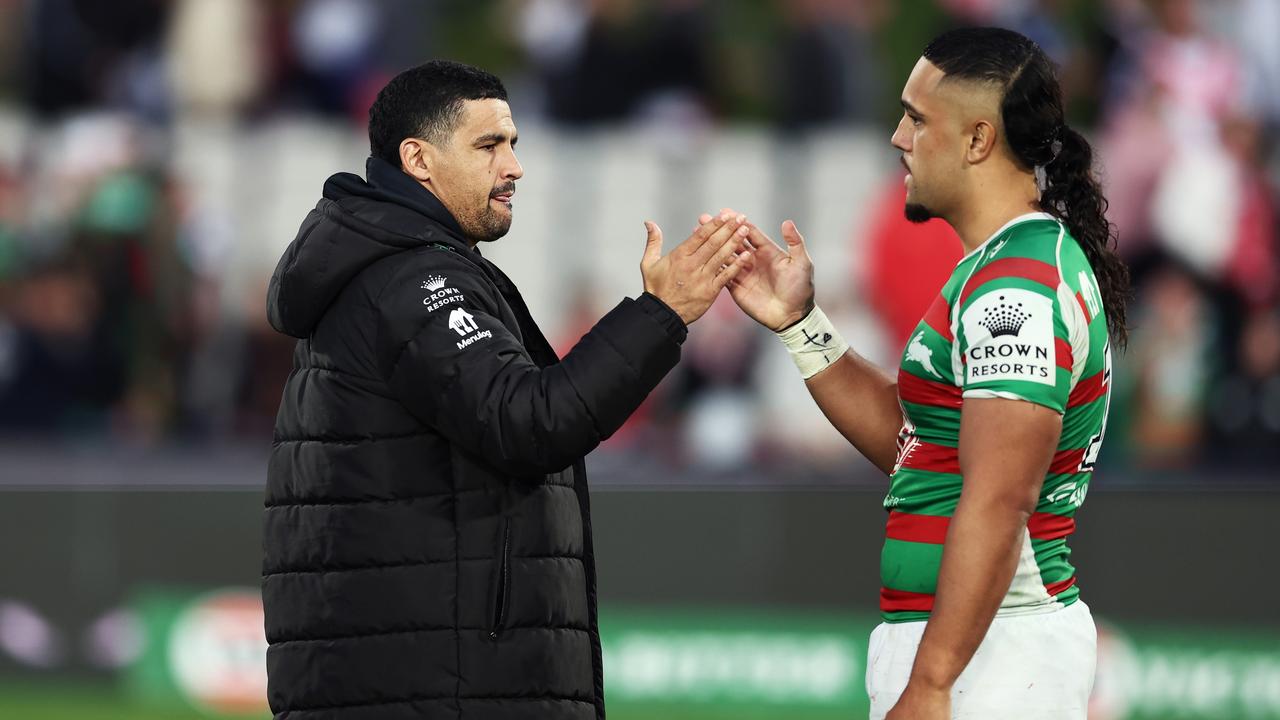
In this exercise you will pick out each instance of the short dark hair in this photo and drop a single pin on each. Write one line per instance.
(426, 102)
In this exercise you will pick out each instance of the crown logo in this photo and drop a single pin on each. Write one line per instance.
(433, 283)
(1004, 319)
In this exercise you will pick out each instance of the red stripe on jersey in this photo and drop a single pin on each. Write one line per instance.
(935, 458)
(932, 529)
(940, 458)
(920, 391)
(917, 528)
(938, 317)
(1066, 462)
(1054, 589)
(1063, 353)
(1047, 526)
(1088, 390)
(1033, 270)
(1084, 307)
(903, 601)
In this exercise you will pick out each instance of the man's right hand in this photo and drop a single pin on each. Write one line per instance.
(776, 286)
(689, 278)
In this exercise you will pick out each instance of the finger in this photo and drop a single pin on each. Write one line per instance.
(704, 218)
(764, 244)
(726, 233)
(726, 252)
(795, 241)
(727, 275)
(652, 245)
(704, 231)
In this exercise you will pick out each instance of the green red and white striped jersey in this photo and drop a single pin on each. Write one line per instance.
(1021, 317)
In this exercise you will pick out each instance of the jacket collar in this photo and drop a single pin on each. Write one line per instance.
(396, 186)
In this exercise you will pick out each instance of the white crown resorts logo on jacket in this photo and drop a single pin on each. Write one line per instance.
(440, 295)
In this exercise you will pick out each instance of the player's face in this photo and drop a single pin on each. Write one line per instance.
(931, 147)
(475, 173)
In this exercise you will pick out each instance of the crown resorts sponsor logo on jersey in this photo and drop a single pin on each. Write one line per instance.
(440, 295)
(1010, 335)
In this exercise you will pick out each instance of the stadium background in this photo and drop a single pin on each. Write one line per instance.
(157, 155)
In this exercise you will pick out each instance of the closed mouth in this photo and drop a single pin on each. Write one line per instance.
(504, 195)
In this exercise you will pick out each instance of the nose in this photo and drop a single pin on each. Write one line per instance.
(514, 170)
(901, 138)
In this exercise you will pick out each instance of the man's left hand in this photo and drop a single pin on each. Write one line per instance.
(921, 703)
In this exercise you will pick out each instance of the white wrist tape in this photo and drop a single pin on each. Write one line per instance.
(813, 343)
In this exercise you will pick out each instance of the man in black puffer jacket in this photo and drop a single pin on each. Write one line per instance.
(427, 535)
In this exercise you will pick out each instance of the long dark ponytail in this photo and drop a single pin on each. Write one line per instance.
(1037, 133)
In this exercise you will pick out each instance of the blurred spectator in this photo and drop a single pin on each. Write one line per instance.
(1245, 405)
(215, 55)
(607, 61)
(1252, 268)
(1165, 159)
(588, 57)
(711, 388)
(906, 263)
(81, 53)
(60, 372)
(829, 71)
(126, 235)
(1170, 362)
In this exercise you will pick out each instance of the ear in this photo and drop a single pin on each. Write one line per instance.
(416, 158)
(982, 142)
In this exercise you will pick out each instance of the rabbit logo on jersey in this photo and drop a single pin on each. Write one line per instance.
(1010, 337)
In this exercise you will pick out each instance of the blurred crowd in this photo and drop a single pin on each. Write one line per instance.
(114, 314)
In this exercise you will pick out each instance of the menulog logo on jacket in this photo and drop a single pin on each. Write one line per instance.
(463, 322)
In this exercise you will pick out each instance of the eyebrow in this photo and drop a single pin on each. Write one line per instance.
(497, 138)
(910, 108)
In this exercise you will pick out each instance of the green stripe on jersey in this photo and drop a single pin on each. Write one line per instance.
(910, 566)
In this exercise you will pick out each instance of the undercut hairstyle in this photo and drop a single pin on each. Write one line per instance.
(1036, 131)
(426, 102)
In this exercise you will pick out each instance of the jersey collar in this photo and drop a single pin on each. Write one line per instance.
(1020, 219)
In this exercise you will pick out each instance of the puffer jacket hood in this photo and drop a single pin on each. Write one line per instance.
(378, 217)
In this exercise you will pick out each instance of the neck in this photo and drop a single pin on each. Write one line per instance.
(991, 205)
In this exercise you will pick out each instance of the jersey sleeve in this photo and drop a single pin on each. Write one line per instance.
(1013, 338)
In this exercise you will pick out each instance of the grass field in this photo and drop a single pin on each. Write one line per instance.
(99, 702)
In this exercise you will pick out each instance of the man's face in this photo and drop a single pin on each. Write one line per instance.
(474, 173)
(932, 144)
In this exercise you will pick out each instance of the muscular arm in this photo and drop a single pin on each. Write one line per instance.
(861, 401)
(1006, 447)
(775, 288)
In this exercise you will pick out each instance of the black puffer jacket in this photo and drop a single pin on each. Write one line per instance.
(427, 536)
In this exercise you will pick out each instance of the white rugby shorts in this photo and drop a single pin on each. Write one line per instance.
(1029, 667)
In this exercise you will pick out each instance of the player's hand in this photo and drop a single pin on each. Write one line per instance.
(775, 288)
(689, 278)
(922, 703)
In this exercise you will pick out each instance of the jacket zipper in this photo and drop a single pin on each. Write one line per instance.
(504, 582)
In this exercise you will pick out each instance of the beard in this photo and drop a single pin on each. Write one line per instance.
(917, 212)
(485, 224)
